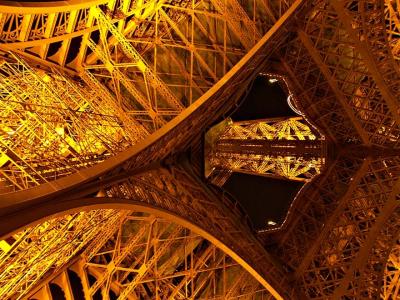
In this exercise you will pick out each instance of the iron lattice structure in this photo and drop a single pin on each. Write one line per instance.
(98, 99)
(52, 126)
(279, 148)
(136, 255)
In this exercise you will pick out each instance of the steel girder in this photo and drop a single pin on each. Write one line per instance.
(217, 100)
(342, 227)
(345, 91)
(281, 148)
(176, 134)
(165, 260)
(134, 78)
(174, 193)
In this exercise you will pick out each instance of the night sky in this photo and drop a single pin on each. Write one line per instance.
(265, 100)
(263, 198)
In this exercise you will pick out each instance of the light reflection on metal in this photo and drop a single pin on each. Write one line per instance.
(327, 85)
(28, 255)
(172, 76)
(391, 277)
(280, 148)
(128, 254)
(392, 22)
(291, 100)
(52, 126)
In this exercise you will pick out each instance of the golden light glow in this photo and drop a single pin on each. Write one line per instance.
(112, 72)
(50, 126)
(293, 165)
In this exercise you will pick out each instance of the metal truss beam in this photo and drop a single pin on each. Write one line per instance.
(392, 17)
(373, 46)
(186, 201)
(137, 59)
(341, 258)
(133, 90)
(341, 228)
(176, 134)
(332, 218)
(68, 125)
(239, 21)
(348, 72)
(391, 285)
(358, 264)
(281, 148)
(162, 260)
(46, 247)
(332, 83)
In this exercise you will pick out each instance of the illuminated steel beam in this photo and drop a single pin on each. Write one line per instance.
(196, 34)
(184, 81)
(45, 28)
(374, 245)
(280, 148)
(238, 19)
(373, 47)
(341, 214)
(159, 252)
(133, 90)
(191, 82)
(340, 229)
(145, 17)
(46, 247)
(131, 126)
(176, 134)
(165, 261)
(119, 256)
(178, 191)
(218, 102)
(332, 83)
(140, 10)
(52, 126)
(61, 56)
(149, 75)
(179, 195)
(356, 203)
(316, 67)
(391, 284)
(322, 234)
(392, 17)
(187, 43)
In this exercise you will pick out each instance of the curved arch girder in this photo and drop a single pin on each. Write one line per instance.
(171, 138)
(180, 195)
(153, 258)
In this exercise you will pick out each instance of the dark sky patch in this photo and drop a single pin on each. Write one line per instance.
(265, 100)
(263, 198)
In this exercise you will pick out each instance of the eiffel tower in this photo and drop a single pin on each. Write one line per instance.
(117, 137)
